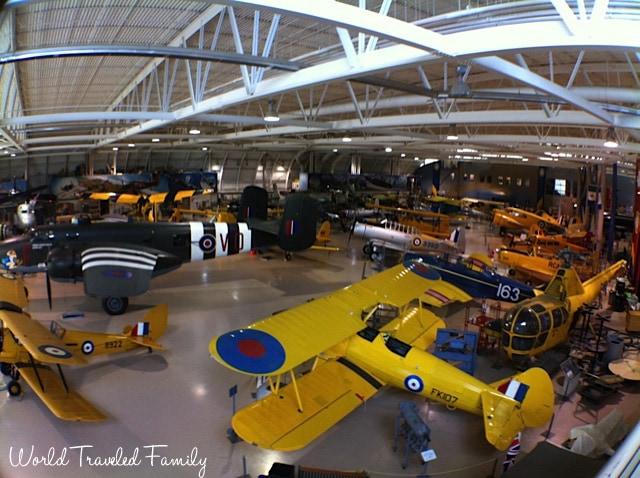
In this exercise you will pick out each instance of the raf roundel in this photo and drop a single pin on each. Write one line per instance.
(416, 241)
(87, 347)
(251, 351)
(54, 351)
(207, 243)
(413, 383)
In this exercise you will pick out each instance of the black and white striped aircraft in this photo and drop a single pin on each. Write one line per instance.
(117, 260)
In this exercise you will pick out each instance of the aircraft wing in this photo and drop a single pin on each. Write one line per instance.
(63, 403)
(287, 339)
(328, 393)
(37, 340)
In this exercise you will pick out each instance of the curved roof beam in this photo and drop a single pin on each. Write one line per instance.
(619, 34)
(156, 51)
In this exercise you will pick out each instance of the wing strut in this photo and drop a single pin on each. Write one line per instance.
(35, 370)
(64, 381)
(295, 388)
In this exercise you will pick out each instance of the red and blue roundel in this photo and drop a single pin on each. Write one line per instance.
(414, 384)
(251, 351)
(422, 269)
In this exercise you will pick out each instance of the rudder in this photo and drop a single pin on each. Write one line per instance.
(253, 204)
(297, 230)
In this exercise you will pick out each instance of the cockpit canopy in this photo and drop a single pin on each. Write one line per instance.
(527, 327)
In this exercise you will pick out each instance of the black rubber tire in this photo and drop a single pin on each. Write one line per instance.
(5, 368)
(367, 249)
(542, 225)
(511, 272)
(115, 305)
(14, 388)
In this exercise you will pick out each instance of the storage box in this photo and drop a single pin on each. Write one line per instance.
(633, 321)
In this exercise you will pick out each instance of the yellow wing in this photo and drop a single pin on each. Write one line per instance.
(328, 394)
(63, 403)
(287, 339)
(37, 340)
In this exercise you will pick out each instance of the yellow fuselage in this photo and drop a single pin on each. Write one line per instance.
(418, 372)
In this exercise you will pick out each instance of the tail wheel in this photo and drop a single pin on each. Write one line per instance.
(367, 249)
(115, 305)
(14, 388)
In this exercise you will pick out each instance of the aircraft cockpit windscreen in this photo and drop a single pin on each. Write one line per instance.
(526, 323)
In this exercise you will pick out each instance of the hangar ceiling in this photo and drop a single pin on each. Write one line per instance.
(533, 80)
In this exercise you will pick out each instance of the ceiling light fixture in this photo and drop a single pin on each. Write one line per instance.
(611, 141)
(402, 155)
(204, 148)
(335, 150)
(132, 145)
(388, 149)
(13, 155)
(272, 115)
(115, 148)
(155, 140)
(346, 139)
(194, 131)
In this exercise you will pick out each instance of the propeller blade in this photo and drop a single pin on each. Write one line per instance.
(48, 281)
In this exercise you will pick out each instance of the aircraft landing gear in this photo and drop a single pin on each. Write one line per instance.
(14, 388)
(287, 256)
(5, 368)
(115, 305)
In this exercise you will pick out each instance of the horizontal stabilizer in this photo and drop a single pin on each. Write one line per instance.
(66, 405)
(328, 393)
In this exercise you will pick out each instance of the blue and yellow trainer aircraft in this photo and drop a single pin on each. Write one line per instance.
(356, 351)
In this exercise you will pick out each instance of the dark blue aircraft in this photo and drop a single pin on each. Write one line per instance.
(475, 277)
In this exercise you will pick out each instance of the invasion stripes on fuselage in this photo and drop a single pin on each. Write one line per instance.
(218, 239)
(117, 257)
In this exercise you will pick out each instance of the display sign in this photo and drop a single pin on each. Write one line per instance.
(428, 455)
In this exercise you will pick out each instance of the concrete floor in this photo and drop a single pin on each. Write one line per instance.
(179, 397)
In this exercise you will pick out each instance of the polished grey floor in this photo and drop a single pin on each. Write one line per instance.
(179, 397)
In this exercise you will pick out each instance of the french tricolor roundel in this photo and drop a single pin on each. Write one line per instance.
(251, 351)
(413, 383)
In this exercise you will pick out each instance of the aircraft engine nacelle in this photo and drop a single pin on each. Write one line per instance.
(64, 265)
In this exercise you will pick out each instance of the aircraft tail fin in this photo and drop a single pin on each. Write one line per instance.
(298, 225)
(434, 191)
(593, 286)
(524, 400)
(253, 204)
(324, 233)
(152, 327)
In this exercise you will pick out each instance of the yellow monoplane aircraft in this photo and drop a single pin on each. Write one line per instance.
(355, 353)
(514, 218)
(28, 350)
(538, 324)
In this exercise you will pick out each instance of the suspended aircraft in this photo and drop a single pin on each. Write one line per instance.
(117, 261)
(399, 237)
(514, 218)
(476, 276)
(355, 353)
(543, 322)
(28, 351)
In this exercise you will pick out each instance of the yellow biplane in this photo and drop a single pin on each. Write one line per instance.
(28, 351)
(354, 347)
(540, 323)
(514, 218)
